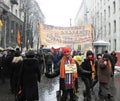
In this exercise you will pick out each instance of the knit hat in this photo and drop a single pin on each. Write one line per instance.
(66, 50)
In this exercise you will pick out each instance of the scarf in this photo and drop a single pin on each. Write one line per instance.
(62, 67)
(93, 69)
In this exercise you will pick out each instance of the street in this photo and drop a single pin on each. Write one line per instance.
(48, 88)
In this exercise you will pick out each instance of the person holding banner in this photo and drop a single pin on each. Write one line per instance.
(68, 75)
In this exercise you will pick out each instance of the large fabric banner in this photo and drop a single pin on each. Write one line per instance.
(52, 35)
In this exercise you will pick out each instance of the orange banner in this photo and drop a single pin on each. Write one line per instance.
(52, 35)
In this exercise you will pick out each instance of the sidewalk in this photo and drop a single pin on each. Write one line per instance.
(117, 68)
(5, 94)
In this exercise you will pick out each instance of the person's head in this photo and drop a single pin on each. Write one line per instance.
(106, 58)
(89, 54)
(99, 56)
(106, 51)
(17, 53)
(30, 54)
(113, 53)
(17, 49)
(5, 52)
(66, 51)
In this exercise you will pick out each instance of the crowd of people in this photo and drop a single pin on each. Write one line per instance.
(95, 69)
(25, 71)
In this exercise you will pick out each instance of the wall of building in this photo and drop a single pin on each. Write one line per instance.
(12, 22)
(107, 22)
(83, 17)
(16, 16)
(105, 17)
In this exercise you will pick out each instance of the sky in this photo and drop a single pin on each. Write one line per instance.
(59, 12)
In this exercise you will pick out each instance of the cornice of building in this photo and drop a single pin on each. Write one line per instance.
(4, 6)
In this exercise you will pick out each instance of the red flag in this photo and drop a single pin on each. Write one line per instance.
(18, 37)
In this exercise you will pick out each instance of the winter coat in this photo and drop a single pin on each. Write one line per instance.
(15, 69)
(30, 75)
(104, 71)
(88, 67)
(62, 72)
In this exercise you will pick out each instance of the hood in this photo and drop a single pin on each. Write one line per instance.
(17, 59)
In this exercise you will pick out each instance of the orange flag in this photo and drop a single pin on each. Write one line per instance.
(18, 37)
(1, 24)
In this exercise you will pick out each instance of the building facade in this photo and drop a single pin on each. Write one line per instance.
(18, 15)
(35, 16)
(12, 18)
(84, 14)
(105, 17)
(107, 22)
(84, 17)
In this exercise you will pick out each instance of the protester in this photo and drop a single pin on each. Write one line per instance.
(114, 57)
(98, 57)
(109, 56)
(56, 58)
(15, 69)
(81, 71)
(1, 69)
(104, 74)
(49, 61)
(88, 65)
(4, 66)
(67, 80)
(29, 75)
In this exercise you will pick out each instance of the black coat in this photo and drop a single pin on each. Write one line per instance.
(16, 65)
(87, 67)
(30, 75)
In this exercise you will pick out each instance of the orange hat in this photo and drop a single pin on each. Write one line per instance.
(66, 49)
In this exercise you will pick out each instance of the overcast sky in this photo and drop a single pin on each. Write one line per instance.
(59, 12)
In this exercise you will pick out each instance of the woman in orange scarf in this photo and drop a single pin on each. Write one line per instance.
(89, 65)
(67, 79)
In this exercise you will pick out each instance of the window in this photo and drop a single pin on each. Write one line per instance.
(104, 2)
(12, 30)
(114, 7)
(20, 14)
(114, 44)
(109, 28)
(108, 11)
(105, 30)
(114, 26)
(16, 11)
(110, 44)
(119, 4)
(104, 15)
(11, 8)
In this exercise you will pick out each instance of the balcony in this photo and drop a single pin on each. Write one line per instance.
(14, 2)
(3, 7)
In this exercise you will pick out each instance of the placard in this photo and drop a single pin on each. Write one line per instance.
(70, 68)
